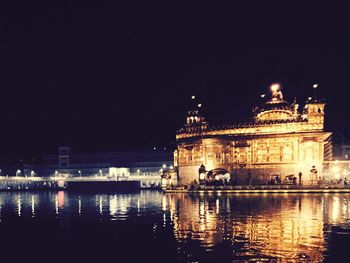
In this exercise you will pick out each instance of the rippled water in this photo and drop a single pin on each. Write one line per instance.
(153, 227)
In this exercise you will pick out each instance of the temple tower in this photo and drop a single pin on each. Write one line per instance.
(315, 109)
(195, 120)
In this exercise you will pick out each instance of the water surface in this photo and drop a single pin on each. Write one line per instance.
(149, 226)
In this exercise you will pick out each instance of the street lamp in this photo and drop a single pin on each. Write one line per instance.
(79, 173)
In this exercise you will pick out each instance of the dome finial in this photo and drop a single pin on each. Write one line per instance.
(276, 92)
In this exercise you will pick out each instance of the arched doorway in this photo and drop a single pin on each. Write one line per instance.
(218, 176)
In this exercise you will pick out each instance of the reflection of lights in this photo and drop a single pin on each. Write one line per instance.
(19, 205)
(60, 196)
(123, 205)
(79, 205)
(164, 204)
(101, 205)
(113, 205)
(33, 206)
(202, 212)
(282, 227)
(56, 204)
(335, 208)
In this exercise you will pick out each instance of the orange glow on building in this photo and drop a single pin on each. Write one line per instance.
(279, 141)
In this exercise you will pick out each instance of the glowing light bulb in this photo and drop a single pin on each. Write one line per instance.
(275, 87)
(315, 86)
(199, 105)
(193, 97)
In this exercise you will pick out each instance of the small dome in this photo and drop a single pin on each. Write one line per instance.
(276, 108)
(271, 105)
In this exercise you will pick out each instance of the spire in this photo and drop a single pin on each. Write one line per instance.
(276, 92)
(194, 114)
(195, 119)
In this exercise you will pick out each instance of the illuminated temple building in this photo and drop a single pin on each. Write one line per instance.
(280, 140)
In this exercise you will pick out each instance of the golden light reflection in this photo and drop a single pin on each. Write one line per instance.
(271, 226)
(60, 199)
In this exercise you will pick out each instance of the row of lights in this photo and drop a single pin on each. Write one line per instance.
(165, 167)
(155, 148)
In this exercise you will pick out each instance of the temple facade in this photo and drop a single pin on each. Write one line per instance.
(280, 142)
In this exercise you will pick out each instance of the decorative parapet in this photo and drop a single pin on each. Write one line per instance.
(273, 127)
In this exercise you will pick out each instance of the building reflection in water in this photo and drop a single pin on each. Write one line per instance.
(202, 228)
(256, 227)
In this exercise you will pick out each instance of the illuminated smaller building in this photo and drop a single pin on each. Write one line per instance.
(111, 164)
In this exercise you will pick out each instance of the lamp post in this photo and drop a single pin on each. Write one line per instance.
(79, 173)
(202, 175)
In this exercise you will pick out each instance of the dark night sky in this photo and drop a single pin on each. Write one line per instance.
(111, 75)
